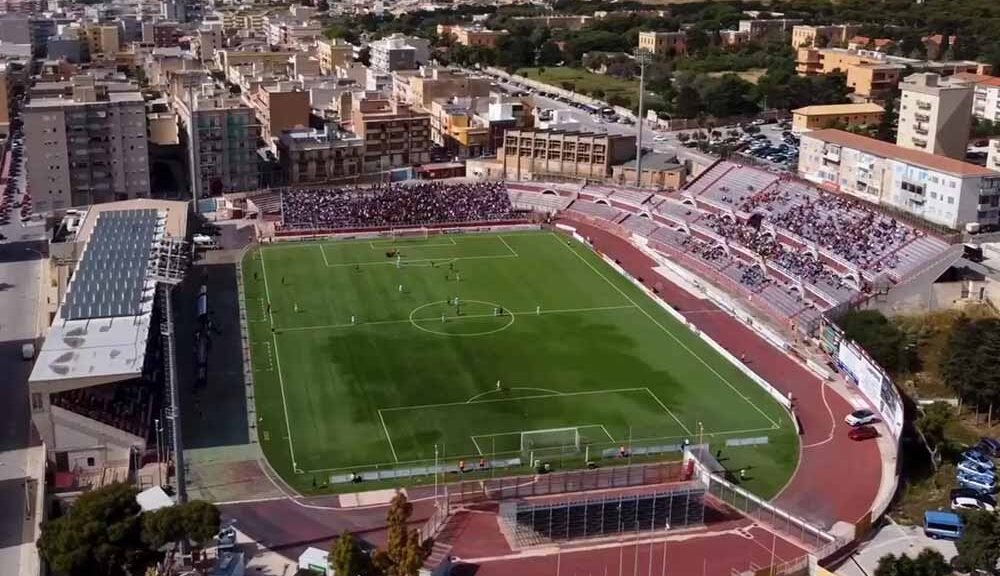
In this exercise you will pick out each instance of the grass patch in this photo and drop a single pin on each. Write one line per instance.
(362, 363)
(586, 82)
(752, 75)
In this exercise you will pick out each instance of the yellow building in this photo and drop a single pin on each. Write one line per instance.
(102, 40)
(472, 35)
(663, 43)
(804, 36)
(659, 170)
(453, 128)
(333, 53)
(843, 115)
(527, 154)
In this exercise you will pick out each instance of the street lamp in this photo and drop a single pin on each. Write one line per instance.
(642, 57)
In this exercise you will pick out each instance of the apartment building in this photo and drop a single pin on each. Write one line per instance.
(13, 79)
(472, 35)
(836, 115)
(430, 83)
(663, 43)
(939, 189)
(102, 40)
(530, 154)
(279, 107)
(209, 39)
(395, 135)
(320, 156)
(88, 148)
(454, 128)
(935, 115)
(333, 53)
(804, 36)
(399, 52)
(164, 34)
(985, 95)
(289, 32)
(874, 75)
(759, 28)
(222, 135)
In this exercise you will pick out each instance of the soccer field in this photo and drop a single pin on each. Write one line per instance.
(362, 358)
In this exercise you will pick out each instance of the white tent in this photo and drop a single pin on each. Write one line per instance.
(153, 499)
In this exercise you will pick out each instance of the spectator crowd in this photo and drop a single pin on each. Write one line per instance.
(388, 205)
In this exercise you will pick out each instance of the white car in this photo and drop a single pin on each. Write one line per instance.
(860, 417)
(660, 139)
(967, 503)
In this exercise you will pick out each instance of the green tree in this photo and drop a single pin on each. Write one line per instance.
(729, 95)
(688, 103)
(100, 534)
(346, 556)
(931, 426)
(196, 520)
(549, 54)
(882, 339)
(929, 562)
(979, 546)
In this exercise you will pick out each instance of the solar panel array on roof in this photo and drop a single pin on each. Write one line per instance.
(110, 278)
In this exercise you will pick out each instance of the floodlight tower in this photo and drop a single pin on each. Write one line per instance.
(642, 57)
(170, 260)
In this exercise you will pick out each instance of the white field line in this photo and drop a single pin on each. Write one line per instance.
(277, 361)
(476, 444)
(323, 252)
(405, 261)
(457, 318)
(383, 244)
(387, 437)
(667, 410)
(671, 334)
(512, 251)
(519, 398)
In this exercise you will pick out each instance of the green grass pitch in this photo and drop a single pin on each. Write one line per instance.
(362, 359)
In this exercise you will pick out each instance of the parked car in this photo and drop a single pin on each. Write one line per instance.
(862, 433)
(976, 483)
(978, 457)
(966, 493)
(860, 417)
(967, 503)
(972, 469)
(989, 447)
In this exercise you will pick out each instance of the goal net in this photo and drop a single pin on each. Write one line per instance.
(559, 440)
(404, 233)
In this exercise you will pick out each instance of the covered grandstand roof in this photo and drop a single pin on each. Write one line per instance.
(103, 323)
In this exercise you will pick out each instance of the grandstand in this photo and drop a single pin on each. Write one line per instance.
(98, 381)
(794, 250)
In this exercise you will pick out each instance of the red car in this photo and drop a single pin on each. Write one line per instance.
(862, 433)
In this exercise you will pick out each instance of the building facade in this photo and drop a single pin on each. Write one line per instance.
(804, 36)
(332, 54)
(833, 115)
(279, 107)
(472, 35)
(87, 149)
(663, 43)
(222, 135)
(395, 135)
(399, 52)
(320, 156)
(938, 189)
(530, 154)
(935, 115)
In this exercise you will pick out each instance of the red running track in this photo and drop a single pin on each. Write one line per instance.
(836, 479)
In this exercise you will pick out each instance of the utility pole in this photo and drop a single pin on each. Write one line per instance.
(642, 57)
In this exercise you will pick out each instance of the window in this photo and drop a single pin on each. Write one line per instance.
(90, 461)
(37, 405)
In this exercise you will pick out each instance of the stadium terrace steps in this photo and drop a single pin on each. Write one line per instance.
(593, 210)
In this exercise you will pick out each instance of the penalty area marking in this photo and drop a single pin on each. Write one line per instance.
(382, 244)
(543, 390)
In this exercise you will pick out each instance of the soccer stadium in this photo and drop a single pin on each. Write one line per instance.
(483, 333)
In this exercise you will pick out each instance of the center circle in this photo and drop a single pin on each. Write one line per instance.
(471, 315)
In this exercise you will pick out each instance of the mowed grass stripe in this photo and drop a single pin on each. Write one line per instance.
(594, 333)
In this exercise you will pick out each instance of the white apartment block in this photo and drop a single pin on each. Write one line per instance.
(935, 115)
(986, 97)
(399, 52)
(86, 149)
(938, 189)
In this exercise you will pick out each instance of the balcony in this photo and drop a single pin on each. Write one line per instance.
(921, 105)
(920, 130)
(921, 117)
(919, 142)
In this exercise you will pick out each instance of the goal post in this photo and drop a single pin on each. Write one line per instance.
(551, 439)
(421, 233)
